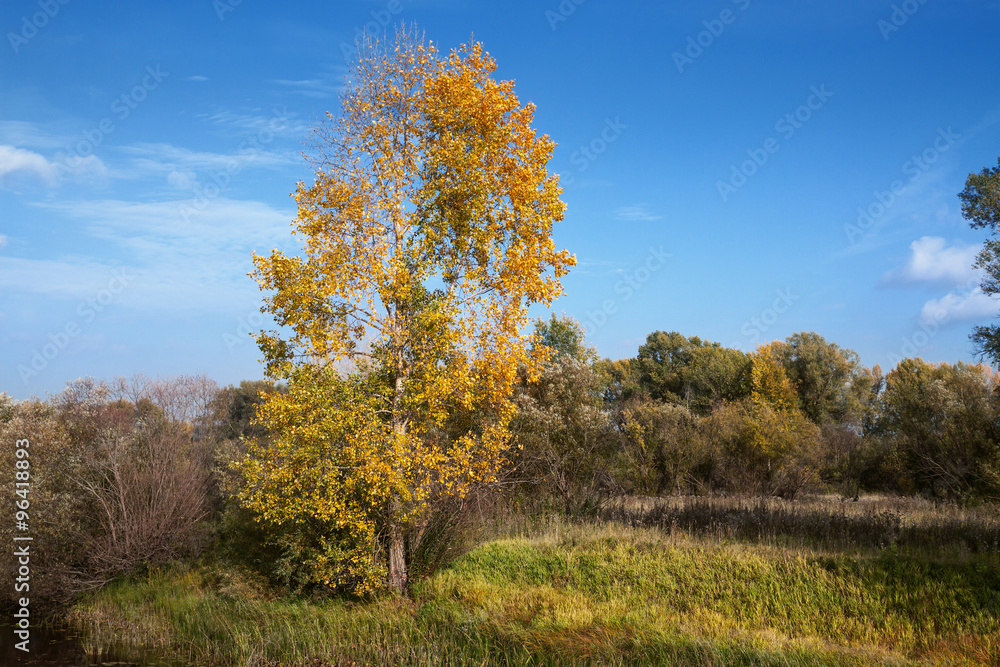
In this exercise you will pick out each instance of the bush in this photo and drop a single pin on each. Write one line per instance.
(115, 486)
(943, 421)
(664, 445)
(760, 450)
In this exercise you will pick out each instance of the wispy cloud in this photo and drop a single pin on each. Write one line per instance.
(329, 83)
(24, 133)
(167, 161)
(20, 167)
(933, 262)
(197, 77)
(971, 306)
(927, 199)
(68, 277)
(637, 213)
(198, 264)
(252, 121)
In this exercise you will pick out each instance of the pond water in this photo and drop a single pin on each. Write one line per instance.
(50, 647)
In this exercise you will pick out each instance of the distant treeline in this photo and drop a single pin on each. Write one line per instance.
(690, 416)
(129, 474)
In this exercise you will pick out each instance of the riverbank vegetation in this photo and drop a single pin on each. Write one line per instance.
(599, 592)
(639, 547)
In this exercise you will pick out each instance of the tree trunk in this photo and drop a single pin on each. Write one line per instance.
(397, 559)
(397, 549)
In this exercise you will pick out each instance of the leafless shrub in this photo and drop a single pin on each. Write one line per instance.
(148, 492)
(115, 483)
(183, 399)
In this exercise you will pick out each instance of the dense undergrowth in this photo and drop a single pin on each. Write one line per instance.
(552, 592)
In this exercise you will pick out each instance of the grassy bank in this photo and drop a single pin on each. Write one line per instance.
(606, 593)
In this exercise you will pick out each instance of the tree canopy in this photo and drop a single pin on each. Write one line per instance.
(981, 207)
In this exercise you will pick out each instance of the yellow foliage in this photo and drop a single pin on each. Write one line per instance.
(769, 385)
(775, 420)
(426, 236)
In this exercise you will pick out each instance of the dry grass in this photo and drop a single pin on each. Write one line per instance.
(905, 525)
(555, 592)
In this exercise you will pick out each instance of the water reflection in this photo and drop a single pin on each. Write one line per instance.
(52, 647)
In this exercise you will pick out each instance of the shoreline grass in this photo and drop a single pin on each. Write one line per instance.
(603, 593)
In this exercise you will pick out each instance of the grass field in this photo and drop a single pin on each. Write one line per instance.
(655, 583)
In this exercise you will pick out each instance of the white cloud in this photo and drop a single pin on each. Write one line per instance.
(932, 261)
(3, 241)
(637, 213)
(197, 77)
(70, 277)
(182, 180)
(198, 262)
(327, 86)
(160, 160)
(163, 227)
(18, 161)
(19, 166)
(972, 305)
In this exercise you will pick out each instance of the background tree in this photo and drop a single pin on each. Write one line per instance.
(764, 440)
(663, 445)
(943, 421)
(689, 371)
(715, 374)
(662, 362)
(829, 380)
(428, 231)
(564, 336)
(619, 380)
(561, 427)
(119, 485)
(981, 207)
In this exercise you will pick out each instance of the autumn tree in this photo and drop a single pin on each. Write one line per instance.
(764, 437)
(426, 236)
(981, 207)
(829, 380)
(943, 421)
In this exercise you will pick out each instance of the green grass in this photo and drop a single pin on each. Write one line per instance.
(569, 594)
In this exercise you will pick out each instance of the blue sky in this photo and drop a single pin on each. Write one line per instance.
(736, 169)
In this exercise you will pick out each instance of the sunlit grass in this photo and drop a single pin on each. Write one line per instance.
(563, 593)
